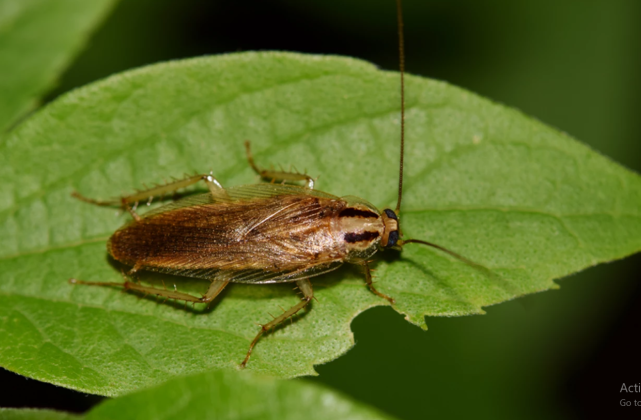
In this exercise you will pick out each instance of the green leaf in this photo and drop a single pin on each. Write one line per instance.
(216, 395)
(32, 414)
(38, 39)
(505, 191)
(225, 394)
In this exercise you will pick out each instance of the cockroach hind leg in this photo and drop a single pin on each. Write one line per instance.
(75, 281)
(281, 176)
(214, 289)
(103, 203)
(158, 190)
(212, 183)
(306, 287)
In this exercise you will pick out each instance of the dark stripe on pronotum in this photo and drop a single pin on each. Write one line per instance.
(357, 237)
(390, 214)
(352, 212)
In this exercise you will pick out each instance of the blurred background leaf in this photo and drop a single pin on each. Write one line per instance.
(220, 395)
(34, 414)
(572, 64)
(228, 394)
(38, 40)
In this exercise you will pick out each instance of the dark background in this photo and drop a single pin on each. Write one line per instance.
(573, 64)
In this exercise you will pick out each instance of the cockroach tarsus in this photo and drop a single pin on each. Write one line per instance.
(256, 234)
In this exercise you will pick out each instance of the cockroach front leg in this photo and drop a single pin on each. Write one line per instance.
(277, 175)
(308, 294)
(214, 290)
(370, 284)
(217, 191)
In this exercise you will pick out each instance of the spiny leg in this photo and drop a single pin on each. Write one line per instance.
(370, 284)
(308, 294)
(216, 189)
(278, 175)
(215, 288)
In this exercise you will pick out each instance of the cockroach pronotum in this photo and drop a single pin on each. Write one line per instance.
(256, 234)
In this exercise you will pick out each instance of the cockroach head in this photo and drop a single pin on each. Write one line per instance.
(392, 232)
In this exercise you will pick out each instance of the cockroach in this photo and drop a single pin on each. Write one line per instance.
(256, 234)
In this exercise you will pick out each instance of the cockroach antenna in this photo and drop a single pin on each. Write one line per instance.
(401, 66)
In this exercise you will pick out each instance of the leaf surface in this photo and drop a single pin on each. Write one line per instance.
(38, 39)
(524, 200)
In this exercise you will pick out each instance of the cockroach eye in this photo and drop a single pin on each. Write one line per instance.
(392, 239)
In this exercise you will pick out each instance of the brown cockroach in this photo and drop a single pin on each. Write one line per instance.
(256, 234)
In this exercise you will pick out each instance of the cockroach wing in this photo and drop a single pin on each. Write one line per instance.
(262, 233)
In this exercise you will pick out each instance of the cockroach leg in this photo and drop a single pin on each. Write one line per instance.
(212, 183)
(216, 189)
(132, 211)
(281, 175)
(308, 294)
(214, 289)
(370, 284)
